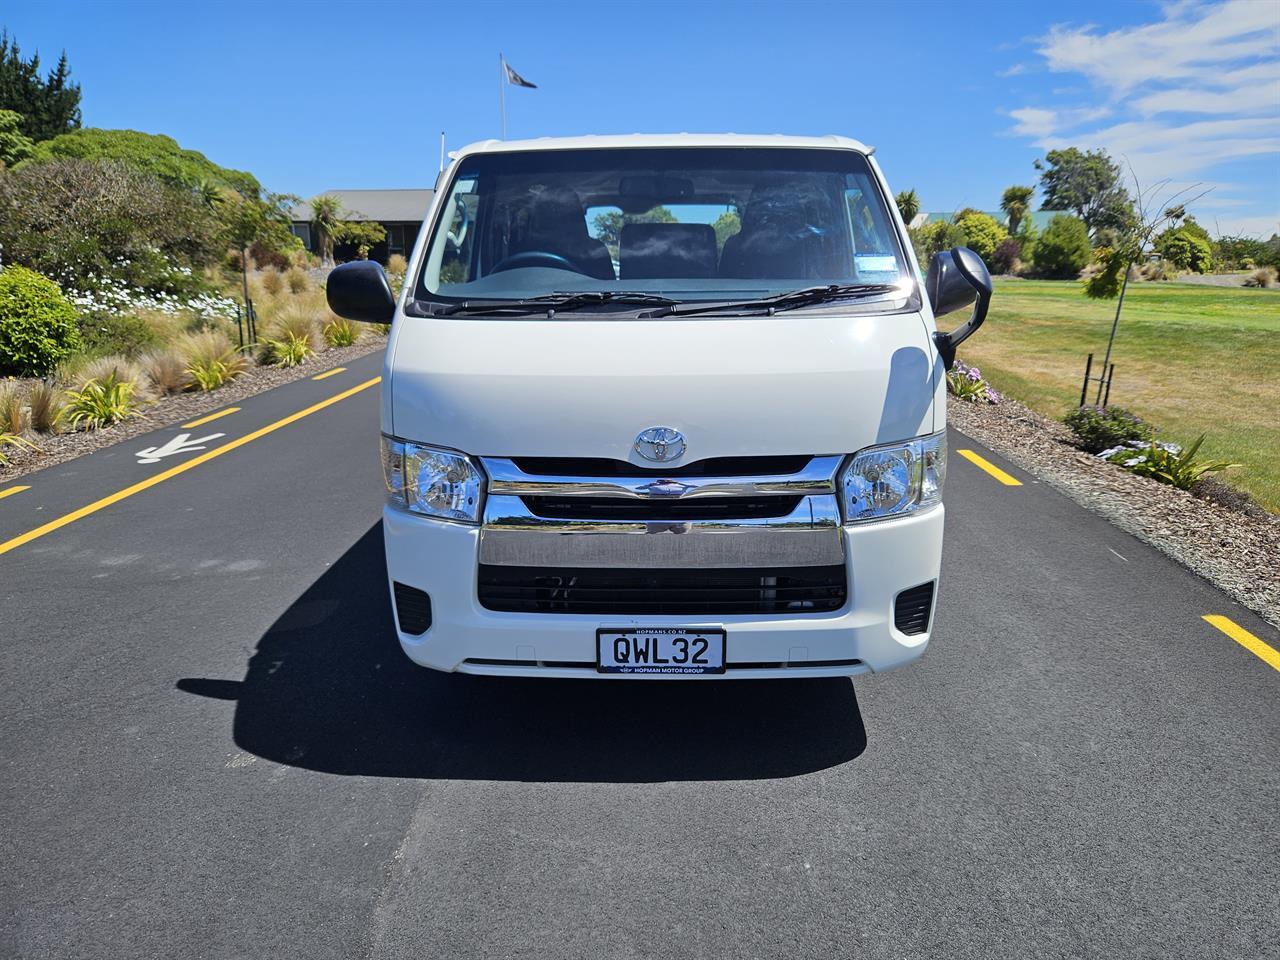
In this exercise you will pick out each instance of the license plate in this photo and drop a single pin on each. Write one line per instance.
(680, 650)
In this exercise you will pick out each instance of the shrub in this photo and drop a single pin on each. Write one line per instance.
(1098, 428)
(13, 440)
(288, 351)
(120, 368)
(966, 383)
(1262, 277)
(1188, 245)
(210, 359)
(297, 319)
(37, 323)
(269, 258)
(47, 404)
(297, 280)
(116, 333)
(341, 332)
(273, 282)
(13, 409)
(167, 371)
(1158, 270)
(153, 155)
(1188, 251)
(81, 221)
(982, 233)
(1166, 462)
(1063, 250)
(933, 238)
(100, 403)
(1007, 257)
(397, 264)
(1238, 253)
(302, 258)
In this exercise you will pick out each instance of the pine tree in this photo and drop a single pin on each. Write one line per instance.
(48, 107)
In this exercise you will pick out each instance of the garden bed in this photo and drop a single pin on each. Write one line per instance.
(170, 410)
(1227, 540)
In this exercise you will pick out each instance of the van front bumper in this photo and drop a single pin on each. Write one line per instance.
(882, 559)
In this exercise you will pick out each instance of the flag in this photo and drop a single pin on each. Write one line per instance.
(517, 80)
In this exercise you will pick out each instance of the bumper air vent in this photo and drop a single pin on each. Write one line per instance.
(640, 592)
(912, 607)
(413, 609)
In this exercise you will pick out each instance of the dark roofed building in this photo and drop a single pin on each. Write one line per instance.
(400, 212)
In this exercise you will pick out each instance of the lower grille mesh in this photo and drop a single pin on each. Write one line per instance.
(912, 607)
(413, 609)
(782, 590)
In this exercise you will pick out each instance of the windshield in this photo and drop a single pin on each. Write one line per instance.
(689, 224)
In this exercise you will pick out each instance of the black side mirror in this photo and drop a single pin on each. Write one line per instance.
(956, 278)
(359, 291)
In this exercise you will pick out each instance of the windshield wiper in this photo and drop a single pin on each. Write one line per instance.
(549, 303)
(789, 300)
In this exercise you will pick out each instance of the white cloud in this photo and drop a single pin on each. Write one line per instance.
(1198, 88)
(1190, 43)
(1013, 71)
(1034, 122)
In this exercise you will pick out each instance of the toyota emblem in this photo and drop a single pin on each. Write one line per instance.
(660, 444)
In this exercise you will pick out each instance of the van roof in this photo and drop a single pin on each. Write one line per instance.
(829, 142)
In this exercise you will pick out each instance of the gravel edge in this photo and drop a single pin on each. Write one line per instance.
(1234, 550)
(168, 411)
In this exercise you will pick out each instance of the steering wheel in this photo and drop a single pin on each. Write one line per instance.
(536, 258)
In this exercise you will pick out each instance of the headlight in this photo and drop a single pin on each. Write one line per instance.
(436, 483)
(894, 479)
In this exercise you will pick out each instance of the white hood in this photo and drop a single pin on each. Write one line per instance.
(754, 386)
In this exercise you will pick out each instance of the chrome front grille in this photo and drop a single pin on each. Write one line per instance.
(663, 518)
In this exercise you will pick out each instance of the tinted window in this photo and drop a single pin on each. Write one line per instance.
(688, 223)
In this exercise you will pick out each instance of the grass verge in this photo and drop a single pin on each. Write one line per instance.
(1190, 359)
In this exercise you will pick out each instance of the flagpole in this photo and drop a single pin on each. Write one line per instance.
(502, 86)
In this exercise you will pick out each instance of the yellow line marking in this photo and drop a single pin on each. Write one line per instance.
(328, 373)
(213, 416)
(183, 467)
(1263, 651)
(990, 467)
(11, 491)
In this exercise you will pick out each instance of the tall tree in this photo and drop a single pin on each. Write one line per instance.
(1089, 184)
(1015, 202)
(49, 106)
(908, 202)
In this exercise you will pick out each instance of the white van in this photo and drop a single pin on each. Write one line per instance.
(664, 406)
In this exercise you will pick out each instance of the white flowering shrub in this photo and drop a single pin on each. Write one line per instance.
(115, 296)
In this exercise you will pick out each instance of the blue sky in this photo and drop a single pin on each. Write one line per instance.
(958, 98)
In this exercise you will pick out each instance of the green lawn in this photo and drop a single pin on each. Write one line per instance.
(1190, 359)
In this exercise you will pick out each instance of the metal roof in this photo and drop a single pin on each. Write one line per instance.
(384, 206)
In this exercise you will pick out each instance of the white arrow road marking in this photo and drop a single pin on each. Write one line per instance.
(182, 443)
